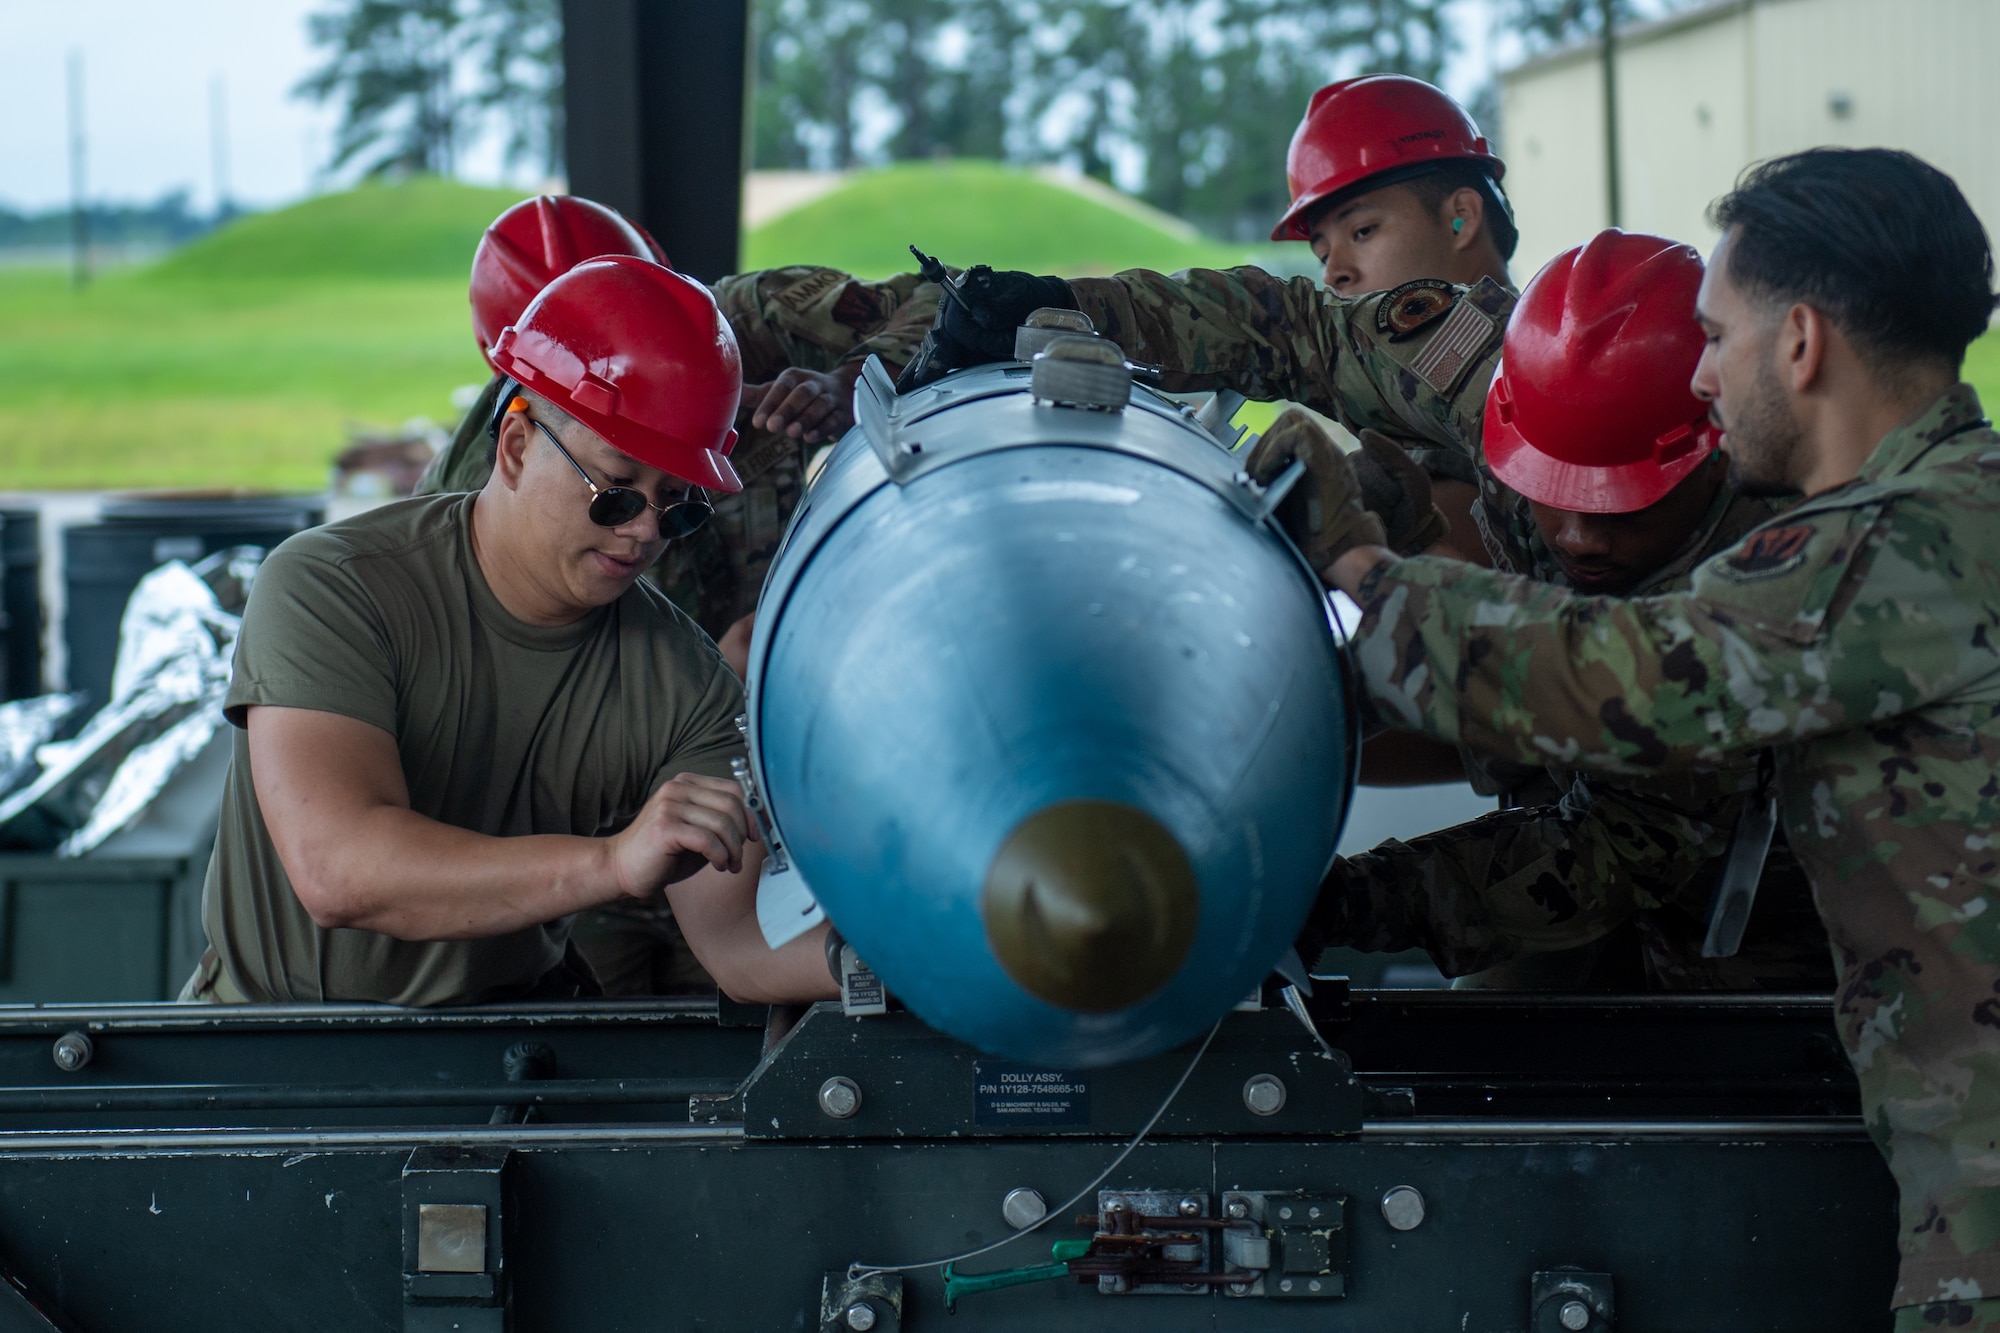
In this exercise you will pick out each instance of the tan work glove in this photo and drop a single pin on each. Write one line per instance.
(1323, 512)
(1396, 489)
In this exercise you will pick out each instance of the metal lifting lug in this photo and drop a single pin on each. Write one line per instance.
(1082, 371)
(1044, 326)
(774, 848)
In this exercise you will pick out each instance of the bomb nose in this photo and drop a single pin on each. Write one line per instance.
(1090, 905)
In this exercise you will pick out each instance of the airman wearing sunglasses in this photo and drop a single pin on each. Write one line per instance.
(803, 332)
(464, 718)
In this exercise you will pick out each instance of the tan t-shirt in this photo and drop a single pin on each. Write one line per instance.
(504, 728)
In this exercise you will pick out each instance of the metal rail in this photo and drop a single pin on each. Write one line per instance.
(295, 1096)
(1833, 1128)
(134, 1142)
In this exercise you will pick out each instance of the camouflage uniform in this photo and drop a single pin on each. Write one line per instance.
(814, 318)
(1585, 881)
(1858, 637)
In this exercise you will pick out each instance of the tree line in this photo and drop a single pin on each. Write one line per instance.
(1190, 103)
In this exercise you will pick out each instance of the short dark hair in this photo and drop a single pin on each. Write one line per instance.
(1432, 185)
(1880, 241)
(1448, 178)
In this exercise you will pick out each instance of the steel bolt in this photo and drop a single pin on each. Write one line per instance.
(73, 1051)
(1110, 1284)
(1239, 1289)
(1285, 1285)
(1023, 1207)
(1403, 1208)
(1192, 1287)
(1285, 1213)
(861, 1316)
(1190, 1208)
(1574, 1316)
(840, 1098)
(1114, 1206)
(1238, 1209)
(1264, 1094)
(1313, 1285)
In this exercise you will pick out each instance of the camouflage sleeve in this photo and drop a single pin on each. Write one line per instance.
(740, 299)
(1533, 879)
(1414, 361)
(818, 318)
(1814, 623)
(895, 340)
(462, 466)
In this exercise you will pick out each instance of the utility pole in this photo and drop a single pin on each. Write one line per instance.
(1608, 20)
(218, 144)
(79, 215)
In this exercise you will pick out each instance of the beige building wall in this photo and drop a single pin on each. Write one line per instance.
(1702, 95)
(1555, 159)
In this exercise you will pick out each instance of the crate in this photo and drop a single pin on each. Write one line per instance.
(98, 928)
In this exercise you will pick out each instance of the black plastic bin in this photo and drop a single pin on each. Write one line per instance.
(20, 603)
(104, 561)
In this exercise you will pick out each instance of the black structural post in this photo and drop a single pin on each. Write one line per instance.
(1613, 197)
(655, 100)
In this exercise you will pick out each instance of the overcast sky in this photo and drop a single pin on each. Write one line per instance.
(148, 68)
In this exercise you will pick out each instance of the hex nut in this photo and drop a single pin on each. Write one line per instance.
(73, 1050)
(1574, 1316)
(1403, 1208)
(840, 1097)
(1237, 1209)
(1023, 1207)
(861, 1316)
(1264, 1094)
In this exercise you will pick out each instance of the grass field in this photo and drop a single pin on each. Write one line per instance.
(246, 358)
(974, 213)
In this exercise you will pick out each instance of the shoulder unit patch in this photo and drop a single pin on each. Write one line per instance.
(1769, 552)
(1410, 307)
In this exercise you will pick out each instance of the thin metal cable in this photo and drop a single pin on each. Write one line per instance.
(858, 1271)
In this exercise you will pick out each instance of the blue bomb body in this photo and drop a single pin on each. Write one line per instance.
(1005, 605)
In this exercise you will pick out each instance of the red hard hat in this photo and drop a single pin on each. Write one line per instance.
(639, 354)
(1365, 127)
(534, 243)
(1590, 409)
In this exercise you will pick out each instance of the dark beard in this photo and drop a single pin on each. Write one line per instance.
(1760, 487)
(1763, 438)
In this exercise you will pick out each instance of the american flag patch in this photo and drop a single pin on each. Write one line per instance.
(1457, 343)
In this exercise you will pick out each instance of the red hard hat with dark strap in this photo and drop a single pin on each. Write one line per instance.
(534, 243)
(1362, 128)
(1590, 409)
(639, 354)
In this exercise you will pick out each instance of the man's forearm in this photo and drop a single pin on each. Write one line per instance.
(1266, 337)
(718, 915)
(398, 873)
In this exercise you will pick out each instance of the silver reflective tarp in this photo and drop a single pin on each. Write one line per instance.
(175, 644)
(25, 726)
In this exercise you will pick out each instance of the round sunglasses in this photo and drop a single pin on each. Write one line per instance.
(615, 506)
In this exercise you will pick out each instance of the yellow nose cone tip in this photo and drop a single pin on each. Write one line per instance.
(1090, 905)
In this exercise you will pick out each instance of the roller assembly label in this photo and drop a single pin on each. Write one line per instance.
(1011, 1094)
